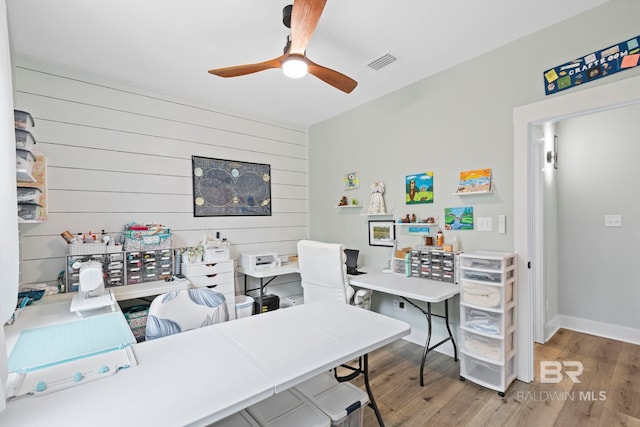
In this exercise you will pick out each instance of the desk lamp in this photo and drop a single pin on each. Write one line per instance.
(91, 294)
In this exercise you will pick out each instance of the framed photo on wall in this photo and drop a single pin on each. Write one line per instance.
(382, 233)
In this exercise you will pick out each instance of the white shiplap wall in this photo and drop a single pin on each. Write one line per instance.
(118, 154)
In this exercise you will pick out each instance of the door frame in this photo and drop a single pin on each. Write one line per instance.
(619, 93)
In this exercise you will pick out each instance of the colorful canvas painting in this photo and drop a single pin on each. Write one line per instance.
(419, 188)
(474, 181)
(351, 181)
(458, 218)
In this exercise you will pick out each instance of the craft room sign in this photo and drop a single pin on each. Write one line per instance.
(619, 57)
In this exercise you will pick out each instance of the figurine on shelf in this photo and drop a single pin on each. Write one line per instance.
(376, 204)
(406, 219)
(354, 201)
(413, 217)
(343, 201)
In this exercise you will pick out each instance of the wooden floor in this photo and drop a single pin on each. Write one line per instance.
(608, 393)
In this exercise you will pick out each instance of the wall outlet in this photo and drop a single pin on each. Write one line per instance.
(399, 305)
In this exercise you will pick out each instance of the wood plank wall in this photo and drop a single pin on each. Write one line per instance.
(118, 154)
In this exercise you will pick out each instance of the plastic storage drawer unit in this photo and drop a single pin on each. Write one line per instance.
(488, 348)
(25, 160)
(487, 322)
(29, 211)
(28, 194)
(22, 120)
(487, 296)
(491, 375)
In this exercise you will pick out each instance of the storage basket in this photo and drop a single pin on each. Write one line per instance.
(28, 194)
(147, 240)
(22, 120)
(25, 160)
(24, 139)
(29, 211)
(137, 319)
(86, 248)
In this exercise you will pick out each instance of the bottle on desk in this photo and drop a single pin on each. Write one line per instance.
(407, 264)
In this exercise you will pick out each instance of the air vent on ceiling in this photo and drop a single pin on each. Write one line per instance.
(382, 61)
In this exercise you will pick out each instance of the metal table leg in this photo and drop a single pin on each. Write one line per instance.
(363, 368)
(427, 348)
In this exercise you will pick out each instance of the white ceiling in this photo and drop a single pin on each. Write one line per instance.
(168, 45)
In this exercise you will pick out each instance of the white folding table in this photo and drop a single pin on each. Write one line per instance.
(413, 288)
(203, 375)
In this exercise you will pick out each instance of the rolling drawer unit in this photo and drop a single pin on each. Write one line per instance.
(216, 275)
(488, 319)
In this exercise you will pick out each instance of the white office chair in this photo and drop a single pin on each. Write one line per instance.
(323, 274)
(179, 311)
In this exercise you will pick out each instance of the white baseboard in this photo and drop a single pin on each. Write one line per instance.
(615, 332)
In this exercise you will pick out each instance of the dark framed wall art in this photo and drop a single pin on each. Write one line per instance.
(230, 188)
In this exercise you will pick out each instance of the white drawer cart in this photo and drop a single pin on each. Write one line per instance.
(488, 319)
(217, 275)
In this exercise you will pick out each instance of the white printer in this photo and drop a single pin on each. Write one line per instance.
(256, 261)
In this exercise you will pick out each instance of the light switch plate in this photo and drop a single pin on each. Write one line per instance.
(484, 224)
(502, 224)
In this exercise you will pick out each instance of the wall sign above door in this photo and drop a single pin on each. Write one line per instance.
(619, 57)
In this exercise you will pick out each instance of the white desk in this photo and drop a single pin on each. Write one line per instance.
(203, 375)
(267, 273)
(413, 288)
(139, 290)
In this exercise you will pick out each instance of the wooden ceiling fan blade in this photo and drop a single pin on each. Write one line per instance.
(332, 77)
(243, 70)
(304, 20)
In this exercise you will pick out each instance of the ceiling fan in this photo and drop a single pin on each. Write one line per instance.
(302, 18)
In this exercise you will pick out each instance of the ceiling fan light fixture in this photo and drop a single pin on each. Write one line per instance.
(295, 67)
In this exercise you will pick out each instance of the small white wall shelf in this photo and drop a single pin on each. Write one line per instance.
(349, 206)
(472, 193)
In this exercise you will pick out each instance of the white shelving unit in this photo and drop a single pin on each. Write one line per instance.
(488, 319)
(217, 275)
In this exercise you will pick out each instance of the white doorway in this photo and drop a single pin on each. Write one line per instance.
(528, 212)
